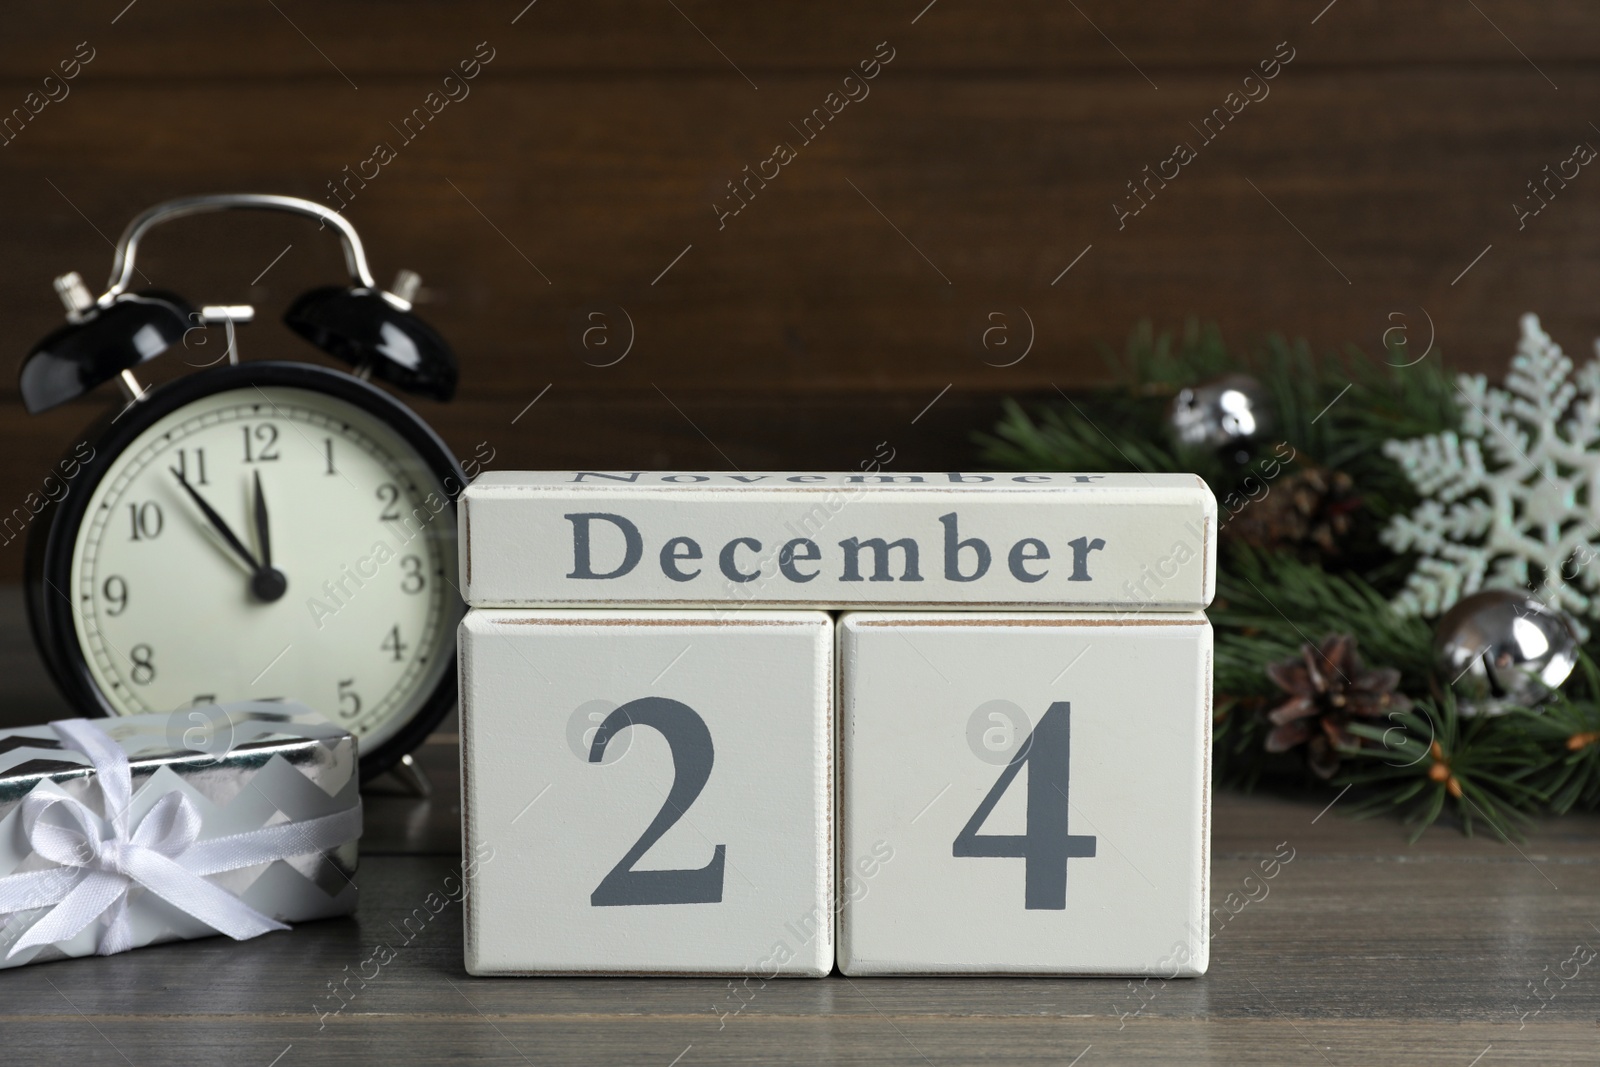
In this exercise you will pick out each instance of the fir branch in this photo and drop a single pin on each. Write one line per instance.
(1431, 758)
(1259, 593)
(1238, 732)
(1567, 732)
(1070, 437)
(1152, 363)
(1334, 412)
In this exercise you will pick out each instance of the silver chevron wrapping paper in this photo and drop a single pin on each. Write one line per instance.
(243, 766)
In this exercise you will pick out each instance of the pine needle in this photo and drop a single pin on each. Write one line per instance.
(1333, 412)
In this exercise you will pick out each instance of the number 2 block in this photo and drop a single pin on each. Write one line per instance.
(648, 792)
(1024, 793)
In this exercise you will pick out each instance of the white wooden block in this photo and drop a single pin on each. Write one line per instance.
(969, 742)
(697, 840)
(953, 539)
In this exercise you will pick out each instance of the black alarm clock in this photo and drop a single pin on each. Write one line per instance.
(252, 530)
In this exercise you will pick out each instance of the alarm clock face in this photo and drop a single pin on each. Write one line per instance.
(261, 540)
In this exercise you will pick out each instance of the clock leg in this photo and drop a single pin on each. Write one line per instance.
(407, 776)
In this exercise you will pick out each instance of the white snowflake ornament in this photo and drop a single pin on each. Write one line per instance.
(1533, 521)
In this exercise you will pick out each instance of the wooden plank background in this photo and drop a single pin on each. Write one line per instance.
(856, 286)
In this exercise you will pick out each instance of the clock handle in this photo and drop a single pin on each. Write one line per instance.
(122, 267)
(373, 329)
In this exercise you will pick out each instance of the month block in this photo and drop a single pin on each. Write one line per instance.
(785, 539)
(648, 792)
(1024, 793)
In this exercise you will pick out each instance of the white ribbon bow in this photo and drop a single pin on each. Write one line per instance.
(97, 870)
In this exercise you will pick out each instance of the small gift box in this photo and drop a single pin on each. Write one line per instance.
(124, 832)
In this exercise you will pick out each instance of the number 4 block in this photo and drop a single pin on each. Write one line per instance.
(652, 790)
(1039, 786)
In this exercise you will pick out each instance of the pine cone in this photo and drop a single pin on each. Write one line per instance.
(1328, 688)
(1308, 512)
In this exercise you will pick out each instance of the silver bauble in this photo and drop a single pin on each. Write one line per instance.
(1501, 648)
(1222, 413)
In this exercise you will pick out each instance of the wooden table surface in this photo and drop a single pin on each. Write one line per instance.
(1360, 949)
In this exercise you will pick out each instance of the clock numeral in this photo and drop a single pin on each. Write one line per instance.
(392, 643)
(349, 699)
(144, 669)
(202, 699)
(145, 520)
(413, 582)
(389, 494)
(260, 442)
(182, 469)
(327, 448)
(115, 590)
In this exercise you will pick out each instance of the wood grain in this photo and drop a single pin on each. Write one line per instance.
(1388, 954)
(580, 175)
(1360, 949)
(300, 39)
(877, 256)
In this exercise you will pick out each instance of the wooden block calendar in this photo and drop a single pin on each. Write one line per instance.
(1044, 783)
(765, 724)
(657, 789)
(788, 539)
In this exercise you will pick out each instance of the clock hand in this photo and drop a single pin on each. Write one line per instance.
(268, 583)
(217, 523)
(263, 532)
